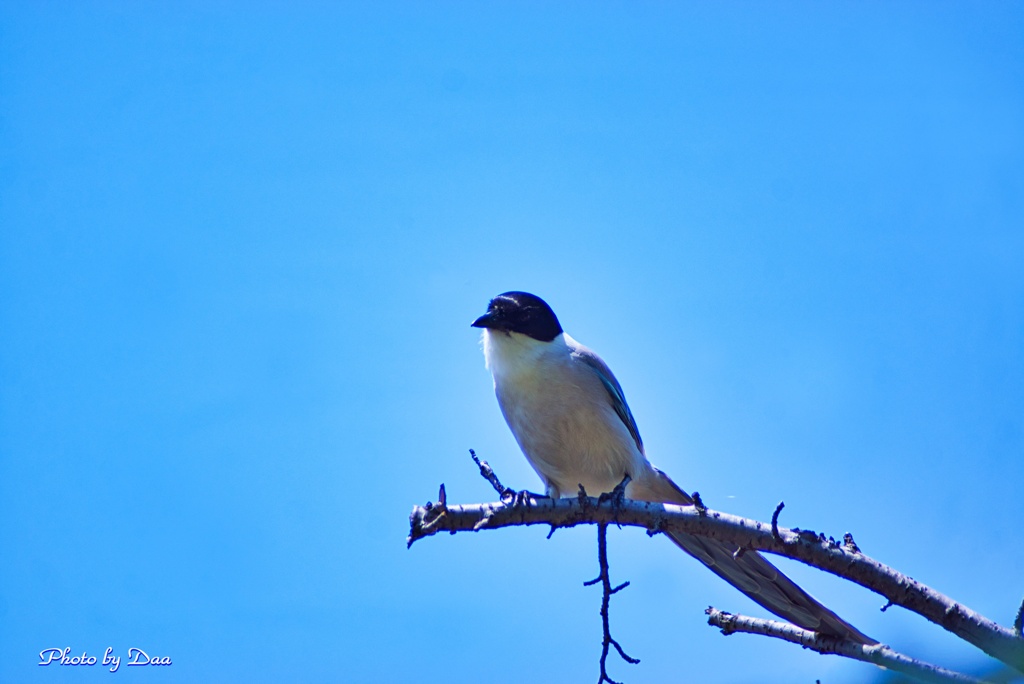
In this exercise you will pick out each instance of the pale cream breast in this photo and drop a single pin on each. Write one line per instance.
(560, 414)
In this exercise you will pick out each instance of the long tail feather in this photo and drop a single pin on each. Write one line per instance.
(750, 572)
(765, 584)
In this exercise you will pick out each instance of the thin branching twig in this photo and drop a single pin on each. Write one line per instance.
(878, 654)
(608, 590)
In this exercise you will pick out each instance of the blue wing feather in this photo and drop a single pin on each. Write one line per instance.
(615, 394)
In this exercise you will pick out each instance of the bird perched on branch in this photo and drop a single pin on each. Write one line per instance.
(570, 417)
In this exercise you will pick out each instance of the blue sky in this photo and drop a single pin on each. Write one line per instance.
(242, 244)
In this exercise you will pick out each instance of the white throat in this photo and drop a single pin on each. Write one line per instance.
(512, 354)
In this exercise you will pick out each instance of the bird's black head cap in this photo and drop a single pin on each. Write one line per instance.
(521, 312)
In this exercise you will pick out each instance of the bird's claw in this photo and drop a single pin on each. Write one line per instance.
(618, 495)
(513, 498)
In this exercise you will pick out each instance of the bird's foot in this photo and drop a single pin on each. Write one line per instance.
(511, 497)
(617, 495)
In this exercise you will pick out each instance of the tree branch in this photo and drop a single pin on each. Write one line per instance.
(842, 559)
(488, 474)
(878, 654)
(606, 585)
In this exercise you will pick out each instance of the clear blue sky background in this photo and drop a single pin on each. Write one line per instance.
(241, 246)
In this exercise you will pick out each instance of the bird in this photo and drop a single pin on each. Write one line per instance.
(569, 415)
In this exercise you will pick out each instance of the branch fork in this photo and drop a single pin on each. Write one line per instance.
(844, 560)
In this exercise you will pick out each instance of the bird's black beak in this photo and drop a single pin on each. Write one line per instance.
(488, 320)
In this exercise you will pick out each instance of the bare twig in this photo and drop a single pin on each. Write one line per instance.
(999, 642)
(429, 517)
(775, 520)
(488, 474)
(606, 585)
(878, 654)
